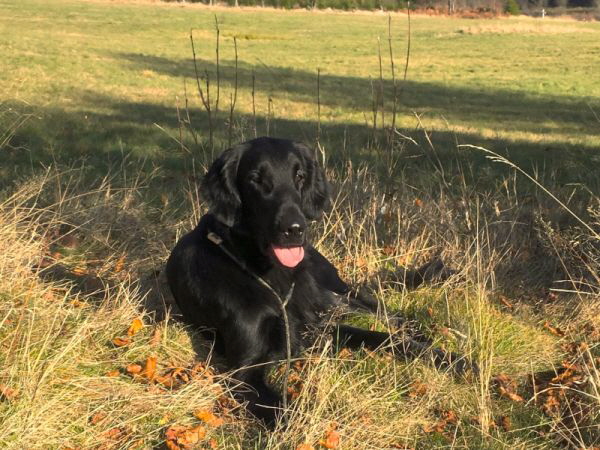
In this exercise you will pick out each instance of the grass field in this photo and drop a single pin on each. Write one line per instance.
(99, 163)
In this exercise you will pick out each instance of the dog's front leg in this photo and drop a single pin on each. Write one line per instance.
(247, 348)
(345, 335)
(262, 400)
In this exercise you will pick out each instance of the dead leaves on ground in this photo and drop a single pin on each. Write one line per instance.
(417, 389)
(448, 421)
(179, 437)
(447, 418)
(554, 330)
(331, 438)
(507, 387)
(136, 325)
(121, 342)
(171, 377)
(7, 393)
(209, 418)
(558, 393)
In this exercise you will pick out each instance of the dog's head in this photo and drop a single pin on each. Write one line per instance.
(270, 188)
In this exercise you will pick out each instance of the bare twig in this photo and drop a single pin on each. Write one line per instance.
(408, 40)
(235, 89)
(205, 99)
(218, 71)
(187, 113)
(318, 105)
(269, 113)
(394, 84)
(380, 102)
(254, 103)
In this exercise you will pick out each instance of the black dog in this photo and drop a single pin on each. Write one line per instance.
(261, 195)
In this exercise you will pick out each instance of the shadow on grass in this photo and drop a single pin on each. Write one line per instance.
(149, 132)
(509, 110)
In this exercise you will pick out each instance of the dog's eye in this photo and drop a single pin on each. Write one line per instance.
(254, 177)
(300, 176)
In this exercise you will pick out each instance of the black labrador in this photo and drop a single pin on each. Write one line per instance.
(261, 196)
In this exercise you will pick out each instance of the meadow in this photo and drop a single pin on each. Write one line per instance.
(492, 163)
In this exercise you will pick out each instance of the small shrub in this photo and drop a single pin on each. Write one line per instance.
(512, 7)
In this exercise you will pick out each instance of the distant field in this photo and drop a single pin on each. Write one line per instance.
(98, 75)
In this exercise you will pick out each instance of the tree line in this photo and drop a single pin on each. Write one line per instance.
(443, 6)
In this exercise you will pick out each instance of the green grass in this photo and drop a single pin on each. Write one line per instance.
(92, 89)
(98, 76)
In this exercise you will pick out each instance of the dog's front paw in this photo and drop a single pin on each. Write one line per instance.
(454, 362)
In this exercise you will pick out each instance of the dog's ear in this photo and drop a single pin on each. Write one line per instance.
(315, 192)
(219, 186)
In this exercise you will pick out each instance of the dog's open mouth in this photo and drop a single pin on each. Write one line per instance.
(289, 256)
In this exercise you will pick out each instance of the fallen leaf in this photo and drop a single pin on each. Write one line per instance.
(114, 433)
(552, 404)
(504, 423)
(7, 393)
(565, 377)
(417, 389)
(166, 381)
(180, 374)
(121, 342)
(113, 373)
(505, 302)
(208, 418)
(345, 353)
(98, 417)
(149, 368)
(507, 387)
(510, 395)
(76, 303)
(181, 437)
(120, 264)
(201, 371)
(212, 443)
(164, 419)
(418, 202)
(133, 369)
(135, 326)
(444, 331)
(570, 365)
(437, 427)
(332, 439)
(389, 250)
(294, 391)
(450, 417)
(554, 330)
(79, 271)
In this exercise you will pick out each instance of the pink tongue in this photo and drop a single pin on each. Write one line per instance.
(289, 257)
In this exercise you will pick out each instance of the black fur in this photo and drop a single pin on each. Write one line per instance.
(257, 193)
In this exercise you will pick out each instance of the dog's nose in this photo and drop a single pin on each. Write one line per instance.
(295, 230)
